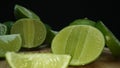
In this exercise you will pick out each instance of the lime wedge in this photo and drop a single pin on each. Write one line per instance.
(9, 43)
(83, 42)
(33, 32)
(22, 12)
(111, 41)
(83, 21)
(3, 29)
(37, 60)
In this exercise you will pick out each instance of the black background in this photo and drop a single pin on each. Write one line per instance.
(59, 14)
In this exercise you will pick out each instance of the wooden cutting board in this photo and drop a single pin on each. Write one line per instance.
(106, 60)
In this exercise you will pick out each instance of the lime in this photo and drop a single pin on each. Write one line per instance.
(50, 34)
(9, 25)
(83, 21)
(3, 29)
(83, 42)
(22, 12)
(111, 41)
(37, 60)
(10, 43)
(33, 32)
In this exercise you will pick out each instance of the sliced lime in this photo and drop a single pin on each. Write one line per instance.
(3, 29)
(111, 41)
(37, 60)
(33, 31)
(83, 42)
(22, 12)
(10, 43)
(83, 21)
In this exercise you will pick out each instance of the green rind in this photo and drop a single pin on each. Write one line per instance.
(9, 25)
(50, 34)
(22, 12)
(111, 41)
(83, 21)
(81, 42)
(33, 32)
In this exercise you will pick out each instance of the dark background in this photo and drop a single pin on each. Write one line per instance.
(59, 14)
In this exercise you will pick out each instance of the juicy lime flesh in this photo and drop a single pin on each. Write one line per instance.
(9, 43)
(84, 43)
(37, 60)
(3, 29)
(22, 12)
(33, 32)
(111, 41)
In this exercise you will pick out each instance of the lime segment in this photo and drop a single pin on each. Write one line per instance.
(111, 41)
(37, 60)
(83, 42)
(22, 12)
(33, 32)
(10, 43)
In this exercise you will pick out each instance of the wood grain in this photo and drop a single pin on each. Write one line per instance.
(106, 60)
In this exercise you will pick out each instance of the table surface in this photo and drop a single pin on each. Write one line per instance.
(106, 60)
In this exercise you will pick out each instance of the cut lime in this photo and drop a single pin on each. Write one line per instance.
(33, 31)
(22, 12)
(83, 42)
(10, 43)
(9, 25)
(3, 29)
(37, 60)
(83, 21)
(111, 41)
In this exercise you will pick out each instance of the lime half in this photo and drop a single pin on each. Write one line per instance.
(22, 12)
(37, 60)
(83, 42)
(10, 43)
(33, 32)
(111, 41)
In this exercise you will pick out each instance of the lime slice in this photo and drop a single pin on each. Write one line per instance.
(33, 32)
(83, 21)
(111, 41)
(9, 43)
(22, 12)
(83, 42)
(9, 25)
(37, 60)
(3, 29)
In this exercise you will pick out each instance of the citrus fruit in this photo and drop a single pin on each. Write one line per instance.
(9, 25)
(3, 29)
(83, 42)
(111, 41)
(50, 34)
(37, 60)
(10, 43)
(33, 32)
(22, 12)
(83, 21)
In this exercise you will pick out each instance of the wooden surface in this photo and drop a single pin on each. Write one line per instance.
(106, 60)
